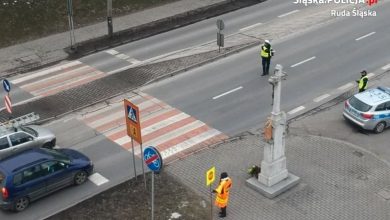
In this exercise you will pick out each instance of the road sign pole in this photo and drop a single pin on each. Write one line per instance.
(143, 171)
(152, 195)
(109, 18)
(132, 149)
(154, 161)
(219, 39)
(211, 203)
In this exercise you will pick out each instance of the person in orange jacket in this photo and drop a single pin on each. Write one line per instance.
(222, 198)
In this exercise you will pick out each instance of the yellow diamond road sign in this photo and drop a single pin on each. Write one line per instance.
(210, 176)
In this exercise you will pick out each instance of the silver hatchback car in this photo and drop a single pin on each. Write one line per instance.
(369, 109)
(24, 137)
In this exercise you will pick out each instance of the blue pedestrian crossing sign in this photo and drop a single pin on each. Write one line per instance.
(132, 114)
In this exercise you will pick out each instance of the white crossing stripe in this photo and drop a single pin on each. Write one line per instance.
(175, 133)
(164, 123)
(98, 179)
(112, 52)
(134, 61)
(56, 76)
(295, 110)
(346, 86)
(154, 127)
(386, 67)
(320, 98)
(122, 56)
(45, 72)
(189, 142)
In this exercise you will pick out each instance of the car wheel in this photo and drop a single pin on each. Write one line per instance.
(21, 204)
(380, 127)
(80, 177)
(49, 145)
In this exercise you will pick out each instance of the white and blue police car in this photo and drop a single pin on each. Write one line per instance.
(370, 109)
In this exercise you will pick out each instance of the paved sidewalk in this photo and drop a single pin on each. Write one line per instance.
(50, 49)
(338, 180)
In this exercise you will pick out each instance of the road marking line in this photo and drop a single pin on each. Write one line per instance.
(120, 69)
(134, 61)
(304, 61)
(250, 27)
(98, 179)
(320, 98)
(228, 92)
(288, 13)
(346, 86)
(386, 67)
(122, 56)
(45, 72)
(189, 143)
(367, 35)
(112, 52)
(370, 75)
(295, 110)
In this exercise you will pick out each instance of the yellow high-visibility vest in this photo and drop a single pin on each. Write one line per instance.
(264, 53)
(223, 189)
(361, 82)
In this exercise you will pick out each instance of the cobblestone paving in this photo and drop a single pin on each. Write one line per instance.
(337, 180)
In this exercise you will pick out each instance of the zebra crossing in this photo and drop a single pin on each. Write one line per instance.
(58, 78)
(175, 133)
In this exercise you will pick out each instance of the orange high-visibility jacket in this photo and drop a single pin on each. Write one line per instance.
(223, 192)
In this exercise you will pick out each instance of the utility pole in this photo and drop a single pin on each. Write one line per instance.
(220, 36)
(71, 26)
(109, 18)
(274, 178)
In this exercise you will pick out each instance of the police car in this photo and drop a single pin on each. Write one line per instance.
(369, 109)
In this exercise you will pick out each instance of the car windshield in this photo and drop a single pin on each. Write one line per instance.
(359, 105)
(58, 155)
(29, 130)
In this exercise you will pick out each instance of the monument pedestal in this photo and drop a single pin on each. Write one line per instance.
(274, 190)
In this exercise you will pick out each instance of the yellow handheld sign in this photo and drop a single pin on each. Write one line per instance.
(210, 176)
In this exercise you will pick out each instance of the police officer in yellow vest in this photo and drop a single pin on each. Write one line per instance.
(222, 198)
(266, 53)
(362, 82)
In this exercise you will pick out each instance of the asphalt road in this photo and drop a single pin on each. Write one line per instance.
(316, 62)
(74, 134)
(190, 35)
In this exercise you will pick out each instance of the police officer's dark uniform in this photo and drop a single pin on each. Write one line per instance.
(266, 54)
(362, 82)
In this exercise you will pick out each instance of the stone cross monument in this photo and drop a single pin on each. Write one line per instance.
(274, 177)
